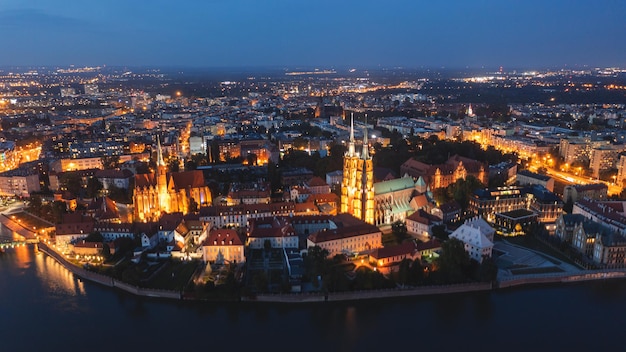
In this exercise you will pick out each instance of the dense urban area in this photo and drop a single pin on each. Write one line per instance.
(231, 184)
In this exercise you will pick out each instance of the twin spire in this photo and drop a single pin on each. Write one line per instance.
(160, 161)
(351, 149)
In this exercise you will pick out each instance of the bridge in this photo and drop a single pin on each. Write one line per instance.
(14, 235)
(12, 244)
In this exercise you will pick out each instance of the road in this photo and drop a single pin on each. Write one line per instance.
(573, 179)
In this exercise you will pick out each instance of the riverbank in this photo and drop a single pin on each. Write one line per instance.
(550, 278)
(106, 280)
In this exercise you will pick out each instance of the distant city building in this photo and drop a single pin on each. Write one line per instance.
(91, 89)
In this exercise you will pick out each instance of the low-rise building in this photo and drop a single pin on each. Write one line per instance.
(476, 244)
(276, 230)
(386, 259)
(596, 191)
(525, 177)
(223, 246)
(420, 224)
(354, 238)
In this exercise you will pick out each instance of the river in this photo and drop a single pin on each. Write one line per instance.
(44, 307)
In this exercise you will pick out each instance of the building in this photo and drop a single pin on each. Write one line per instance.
(116, 178)
(525, 177)
(223, 246)
(565, 225)
(573, 193)
(276, 230)
(317, 186)
(357, 186)
(387, 259)
(546, 204)
(160, 192)
(420, 224)
(351, 236)
(238, 215)
(19, 182)
(477, 245)
(392, 199)
(610, 250)
(86, 248)
(488, 202)
(515, 221)
(73, 227)
(601, 212)
(483, 226)
(90, 89)
(443, 175)
(584, 236)
(603, 158)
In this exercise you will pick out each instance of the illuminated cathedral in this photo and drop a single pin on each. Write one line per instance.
(357, 186)
(163, 192)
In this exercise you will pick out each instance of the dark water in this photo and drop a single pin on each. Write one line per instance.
(42, 306)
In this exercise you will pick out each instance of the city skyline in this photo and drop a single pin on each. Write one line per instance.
(244, 33)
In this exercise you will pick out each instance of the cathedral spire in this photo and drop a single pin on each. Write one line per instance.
(351, 151)
(352, 127)
(160, 161)
(365, 154)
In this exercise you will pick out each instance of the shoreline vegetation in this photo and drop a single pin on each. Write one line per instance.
(522, 280)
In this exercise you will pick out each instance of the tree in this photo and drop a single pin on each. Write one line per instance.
(462, 190)
(110, 161)
(173, 165)
(94, 237)
(35, 205)
(70, 181)
(398, 229)
(439, 232)
(454, 261)
(57, 209)
(94, 186)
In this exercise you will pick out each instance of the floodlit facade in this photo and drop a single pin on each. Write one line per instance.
(357, 186)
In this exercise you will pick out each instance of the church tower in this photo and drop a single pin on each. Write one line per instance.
(161, 180)
(357, 186)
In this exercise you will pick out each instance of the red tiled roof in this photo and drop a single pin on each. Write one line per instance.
(324, 198)
(424, 217)
(169, 222)
(343, 232)
(316, 181)
(223, 237)
(188, 179)
(406, 248)
(84, 226)
(83, 244)
(145, 180)
(431, 244)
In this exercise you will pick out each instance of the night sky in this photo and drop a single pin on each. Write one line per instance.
(319, 33)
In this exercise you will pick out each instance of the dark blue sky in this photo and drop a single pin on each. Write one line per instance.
(409, 33)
